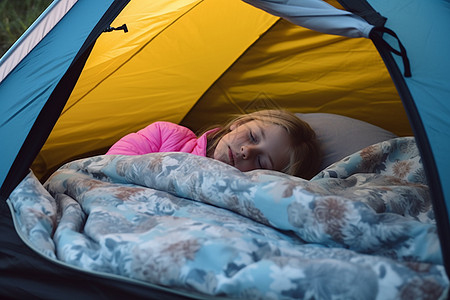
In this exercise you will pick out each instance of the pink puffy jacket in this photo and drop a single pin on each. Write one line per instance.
(161, 137)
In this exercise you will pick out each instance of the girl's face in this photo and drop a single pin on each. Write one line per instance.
(254, 145)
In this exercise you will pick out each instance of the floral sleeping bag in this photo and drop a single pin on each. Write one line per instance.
(361, 229)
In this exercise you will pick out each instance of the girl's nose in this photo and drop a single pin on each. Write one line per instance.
(247, 151)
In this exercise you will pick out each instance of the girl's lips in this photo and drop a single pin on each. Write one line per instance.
(230, 156)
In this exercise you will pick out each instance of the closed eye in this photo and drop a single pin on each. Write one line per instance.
(253, 137)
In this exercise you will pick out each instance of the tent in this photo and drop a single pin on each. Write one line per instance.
(88, 72)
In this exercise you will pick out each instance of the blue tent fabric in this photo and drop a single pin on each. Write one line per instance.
(42, 76)
(429, 84)
(428, 91)
(22, 106)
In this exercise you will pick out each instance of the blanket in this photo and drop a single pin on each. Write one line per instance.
(363, 228)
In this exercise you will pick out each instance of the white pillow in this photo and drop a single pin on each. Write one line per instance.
(340, 136)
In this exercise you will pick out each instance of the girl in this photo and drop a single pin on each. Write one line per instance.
(266, 139)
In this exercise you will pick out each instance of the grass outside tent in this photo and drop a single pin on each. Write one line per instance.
(15, 17)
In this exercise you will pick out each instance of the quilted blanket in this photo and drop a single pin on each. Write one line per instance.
(361, 229)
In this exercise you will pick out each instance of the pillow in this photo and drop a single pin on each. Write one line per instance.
(340, 136)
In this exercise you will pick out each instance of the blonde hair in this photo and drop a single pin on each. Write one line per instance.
(304, 155)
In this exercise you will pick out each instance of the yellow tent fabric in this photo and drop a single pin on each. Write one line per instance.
(198, 62)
